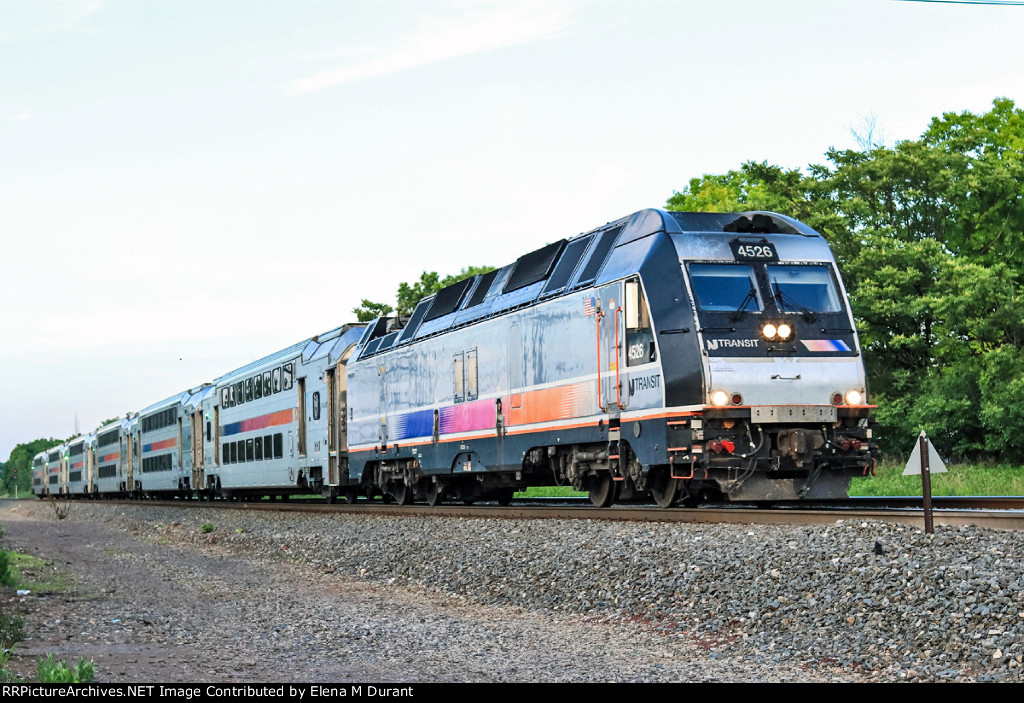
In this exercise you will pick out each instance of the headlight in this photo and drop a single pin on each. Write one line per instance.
(784, 331)
(769, 330)
(854, 397)
(720, 399)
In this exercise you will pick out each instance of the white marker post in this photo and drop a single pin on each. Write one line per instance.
(925, 460)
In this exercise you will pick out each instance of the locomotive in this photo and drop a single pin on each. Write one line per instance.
(670, 355)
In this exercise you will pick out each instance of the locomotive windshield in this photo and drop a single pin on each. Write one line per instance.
(724, 287)
(803, 289)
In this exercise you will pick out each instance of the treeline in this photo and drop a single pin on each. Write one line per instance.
(929, 235)
(17, 470)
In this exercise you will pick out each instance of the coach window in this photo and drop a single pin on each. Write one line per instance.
(266, 383)
(257, 387)
(287, 376)
(277, 380)
(639, 336)
(316, 405)
(278, 446)
(240, 392)
(248, 389)
(249, 450)
(258, 443)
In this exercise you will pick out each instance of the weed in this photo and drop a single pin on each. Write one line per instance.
(5, 675)
(8, 576)
(11, 630)
(61, 508)
(51, 671)
(207, 528)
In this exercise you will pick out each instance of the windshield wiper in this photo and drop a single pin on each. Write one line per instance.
(743, 304)
(804, 312)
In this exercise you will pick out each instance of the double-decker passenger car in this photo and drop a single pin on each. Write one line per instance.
(277, 423)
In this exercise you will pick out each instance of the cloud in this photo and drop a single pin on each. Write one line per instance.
(489, 26)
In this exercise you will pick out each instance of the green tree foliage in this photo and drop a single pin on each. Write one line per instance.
(409, 295)
(929, 235)
(20, 463)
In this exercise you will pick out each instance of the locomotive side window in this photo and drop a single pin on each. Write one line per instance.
(803, 289)
(471, 376)
(458, 378)
(724, 287)
(639, 336)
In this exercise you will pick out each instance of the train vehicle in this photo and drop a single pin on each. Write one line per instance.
(666, 355)
(276, 426)
(56, 476)
(39, 485)
(79, 459)
(669, 354)
(108, 462)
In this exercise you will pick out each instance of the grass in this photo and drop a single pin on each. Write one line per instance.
(22, 571)
(550, 492)
(959, 480)
(50, 671)
(37, 575)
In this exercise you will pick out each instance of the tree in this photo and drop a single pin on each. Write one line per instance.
(20, 463)
(409, 295)
(369, 310)
(929, 235)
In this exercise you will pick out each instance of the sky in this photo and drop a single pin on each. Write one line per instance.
(187, 186)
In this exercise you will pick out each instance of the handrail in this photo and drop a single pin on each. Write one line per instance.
(618, 361)
(598, 317)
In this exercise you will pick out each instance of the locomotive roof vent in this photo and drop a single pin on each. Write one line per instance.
(759, 223)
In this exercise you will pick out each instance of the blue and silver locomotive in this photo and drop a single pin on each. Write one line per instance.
(670, 354)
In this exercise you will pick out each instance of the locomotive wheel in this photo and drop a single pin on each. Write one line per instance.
(664, 489)
(401, 492)
(603, 490)
(504, 496)
(435, 494)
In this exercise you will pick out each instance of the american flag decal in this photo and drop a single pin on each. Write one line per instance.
(589, 306)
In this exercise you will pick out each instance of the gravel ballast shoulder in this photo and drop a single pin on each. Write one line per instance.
(349, 597)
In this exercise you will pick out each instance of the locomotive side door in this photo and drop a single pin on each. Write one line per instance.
(382, 428)
(610, 337)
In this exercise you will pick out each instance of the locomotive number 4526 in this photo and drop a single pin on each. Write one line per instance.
(760, 251)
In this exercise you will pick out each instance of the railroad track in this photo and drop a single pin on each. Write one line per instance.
(994, 512)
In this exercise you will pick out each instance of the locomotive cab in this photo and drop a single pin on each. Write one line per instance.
(784, 406)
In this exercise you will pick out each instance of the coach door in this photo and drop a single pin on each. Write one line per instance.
(198, 478)
(332, 427)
